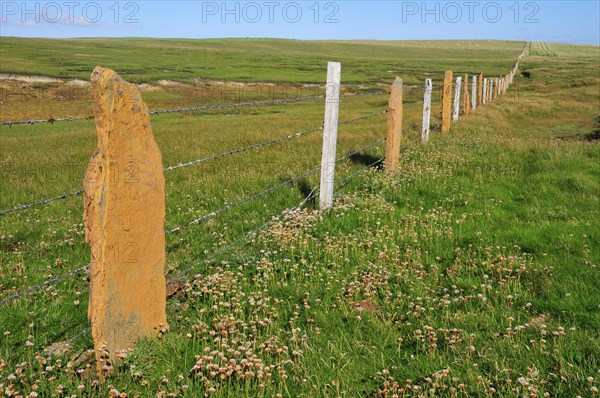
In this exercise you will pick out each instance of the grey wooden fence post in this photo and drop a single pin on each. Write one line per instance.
(426, 111)
(485, 87)
(330, 127)
(474, 93)
(456, 109)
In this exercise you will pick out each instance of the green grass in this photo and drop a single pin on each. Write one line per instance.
(471, 271)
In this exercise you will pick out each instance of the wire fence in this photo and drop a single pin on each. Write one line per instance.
(208, 216)
(184, 273)
(198, 161)
(282, 101)
(237, 203)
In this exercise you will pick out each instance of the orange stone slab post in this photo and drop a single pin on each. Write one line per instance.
(124, 212)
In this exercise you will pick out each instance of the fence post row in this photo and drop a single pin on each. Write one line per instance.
(117, 327)
(446, 101)
(330, 127)
(426, 111)
(394, 127)
(466, 101)
(457, 98)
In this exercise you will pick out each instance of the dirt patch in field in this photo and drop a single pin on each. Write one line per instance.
(29, 79)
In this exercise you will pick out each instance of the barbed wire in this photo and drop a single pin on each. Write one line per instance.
(268, 142)
(244, 200)
(51, 120)
(201, 160)
(253, 232)
(237, 105)
(59, 278)
(49, 282)
(41, 202)
(244, 149)
(268, 190)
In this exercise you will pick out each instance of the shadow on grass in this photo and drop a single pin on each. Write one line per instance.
(367, 160)
(307, 191)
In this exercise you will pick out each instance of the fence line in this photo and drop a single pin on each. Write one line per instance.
(51, 120)
(244, 200)
(41, 202)
(245, 236)
(312, 194)
(201, 160)
(498, 84)
(249, 198)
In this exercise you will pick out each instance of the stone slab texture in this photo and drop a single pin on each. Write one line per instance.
(124, 212)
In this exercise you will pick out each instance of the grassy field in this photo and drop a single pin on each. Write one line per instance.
(472, 271)
(251, 60)
(193, 68)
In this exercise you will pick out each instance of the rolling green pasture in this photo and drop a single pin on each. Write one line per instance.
(470, 271)
(250, 60)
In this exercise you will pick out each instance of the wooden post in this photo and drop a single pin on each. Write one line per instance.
(426, 111)
(466, 102)
(447, 101)
(480, 90)
(498, 87)
(330, 127)
(394, 127)
(474, 92)
(491, 89)
(484, 91)
(457, 98)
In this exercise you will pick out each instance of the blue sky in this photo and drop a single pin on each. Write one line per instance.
(563, 21)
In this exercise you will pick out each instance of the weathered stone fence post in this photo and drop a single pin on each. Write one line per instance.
(124, 212)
